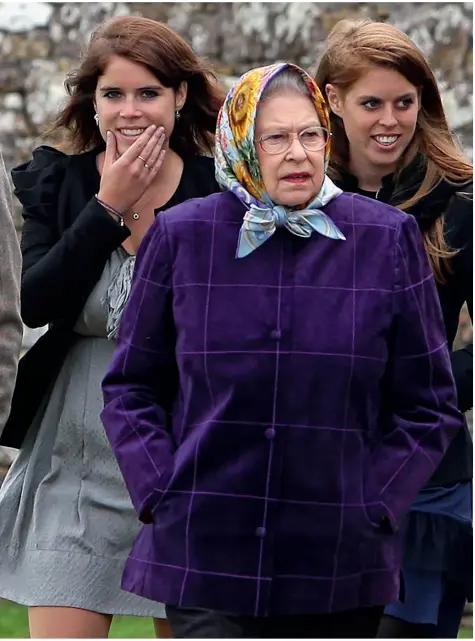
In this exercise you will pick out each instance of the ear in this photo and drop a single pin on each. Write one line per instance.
(334, 99)
(180, 95)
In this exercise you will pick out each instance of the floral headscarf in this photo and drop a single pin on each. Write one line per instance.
(237, 166)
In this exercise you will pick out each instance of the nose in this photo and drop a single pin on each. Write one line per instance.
(130, 108)
(388, 118)
(296, 151)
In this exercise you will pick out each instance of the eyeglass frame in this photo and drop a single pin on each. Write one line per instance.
(293, 136)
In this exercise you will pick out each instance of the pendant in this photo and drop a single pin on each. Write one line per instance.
(136, 216)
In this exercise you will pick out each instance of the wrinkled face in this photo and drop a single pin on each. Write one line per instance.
(379, 113)
(129, 98)
(293, 177)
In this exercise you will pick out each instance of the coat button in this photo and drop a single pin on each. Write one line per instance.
(276, 333)
(270, 433)
(261, 532)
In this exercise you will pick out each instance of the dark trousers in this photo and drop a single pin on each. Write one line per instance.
(191, 623)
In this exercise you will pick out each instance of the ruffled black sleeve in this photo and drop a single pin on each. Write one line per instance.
(61, 262)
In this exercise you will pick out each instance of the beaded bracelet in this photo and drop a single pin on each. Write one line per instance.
(111, 210)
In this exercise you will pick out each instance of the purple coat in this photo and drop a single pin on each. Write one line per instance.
(275, 416)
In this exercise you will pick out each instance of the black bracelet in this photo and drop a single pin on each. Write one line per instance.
(111, 209)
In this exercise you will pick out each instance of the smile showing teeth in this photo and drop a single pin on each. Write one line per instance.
(386, 140)
(131, 132)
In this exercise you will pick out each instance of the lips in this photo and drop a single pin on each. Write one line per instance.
(297, 176)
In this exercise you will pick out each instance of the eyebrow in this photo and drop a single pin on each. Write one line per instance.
(282, 127)
(147, 88)
(411, 94)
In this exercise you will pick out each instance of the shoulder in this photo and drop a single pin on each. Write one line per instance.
(39, 179)
(220, 206)
(192, 219)
(458, 230)
(458, 219)
(350, 208)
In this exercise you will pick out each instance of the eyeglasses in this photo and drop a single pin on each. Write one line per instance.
(311, 139)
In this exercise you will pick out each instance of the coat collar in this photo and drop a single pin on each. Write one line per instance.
(394, 192)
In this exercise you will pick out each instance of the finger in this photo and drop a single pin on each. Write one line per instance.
(138, 146)
(155, 168)
(152, 157)
(158, 138)
(111, 149)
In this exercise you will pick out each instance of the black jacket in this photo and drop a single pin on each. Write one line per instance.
(67, 239)
(456, 204)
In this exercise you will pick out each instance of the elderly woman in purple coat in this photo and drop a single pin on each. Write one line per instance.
(281, 389)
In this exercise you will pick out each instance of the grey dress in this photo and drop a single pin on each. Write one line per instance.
(66, 520)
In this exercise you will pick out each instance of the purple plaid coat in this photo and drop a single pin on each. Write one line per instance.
(275, 416)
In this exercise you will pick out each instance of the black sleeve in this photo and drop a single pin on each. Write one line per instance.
(59, 271)
(462, 360)
(462, 367)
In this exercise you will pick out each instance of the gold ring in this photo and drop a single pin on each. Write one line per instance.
(143, 160)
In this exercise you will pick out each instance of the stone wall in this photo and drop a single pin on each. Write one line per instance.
(40, 42)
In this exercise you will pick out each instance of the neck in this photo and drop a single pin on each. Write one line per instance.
(369, 178)
(172, 166)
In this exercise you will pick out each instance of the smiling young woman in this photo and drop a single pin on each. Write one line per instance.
(392, 143)
(139, 128)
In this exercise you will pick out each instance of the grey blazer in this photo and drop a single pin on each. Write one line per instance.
(11, 326)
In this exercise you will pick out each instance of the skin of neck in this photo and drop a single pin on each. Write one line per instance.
(369, 178)
(172, 164)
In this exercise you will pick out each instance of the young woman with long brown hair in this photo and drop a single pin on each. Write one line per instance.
(139, 125)
(392, 142)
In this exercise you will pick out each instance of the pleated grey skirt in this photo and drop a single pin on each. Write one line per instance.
(66, 520)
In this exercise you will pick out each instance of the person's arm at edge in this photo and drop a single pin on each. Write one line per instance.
(11, 326)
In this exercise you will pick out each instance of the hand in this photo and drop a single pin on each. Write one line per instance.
(125, 178)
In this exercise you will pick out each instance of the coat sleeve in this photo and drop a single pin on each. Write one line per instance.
(11, 326)
(59, 270)
(420, 393)
(462, 359)
(142, 381)
(462, 365)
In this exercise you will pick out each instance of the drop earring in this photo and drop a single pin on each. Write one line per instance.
(177, 115)
(96, 118)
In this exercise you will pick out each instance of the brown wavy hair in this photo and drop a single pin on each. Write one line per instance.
(351, 49)
(168, 57)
